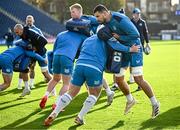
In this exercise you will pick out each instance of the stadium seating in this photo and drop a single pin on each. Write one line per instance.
(5, 23)
(20, 9)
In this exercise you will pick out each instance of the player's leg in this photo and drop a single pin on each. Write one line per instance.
(137, 71)
(20, 81)
(94, 82)
(44, 70)
(66, 98)
(123, 84)
(109, 93)
(64, 89)
(51, 86)
(66, 72)
(131, 78)
(146, 87)
(7, 81)
(32, 74)
(115, 85)
(126, 91)
(46, 74)
(7, 72)
(26, 90)
(54, 81)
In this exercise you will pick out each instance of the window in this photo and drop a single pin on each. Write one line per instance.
(165, 4)
(153, 7)
(130, 6)
(52, 7)
(165, 16)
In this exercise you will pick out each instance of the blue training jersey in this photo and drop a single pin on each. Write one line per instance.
(67, 43)
(15, 52)
(123, 26)
(37, 30)
(94, 51)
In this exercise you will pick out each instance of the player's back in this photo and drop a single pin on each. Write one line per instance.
(33, 27)
(13, 53)
(67, 43)
(93, 52)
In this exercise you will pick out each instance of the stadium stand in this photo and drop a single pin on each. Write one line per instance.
(19, 9)
(5, 23)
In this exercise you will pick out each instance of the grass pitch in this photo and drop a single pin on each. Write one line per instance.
(161, 70)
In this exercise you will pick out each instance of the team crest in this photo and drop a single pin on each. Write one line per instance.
(96, 82)
(66, 70)
(8, 70)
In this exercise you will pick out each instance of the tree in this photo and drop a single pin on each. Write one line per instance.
(62, 6)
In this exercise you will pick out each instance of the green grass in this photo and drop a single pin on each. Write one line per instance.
(161, 69)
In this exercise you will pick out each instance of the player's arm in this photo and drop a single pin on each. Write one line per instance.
(120, 47)
(145, 32)
(146, 37)
(36, 56)
(55, 43)
(130, 31)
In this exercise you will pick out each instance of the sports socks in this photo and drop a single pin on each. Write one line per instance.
(26, 85)
(129, 97)
(88, 104)
(20, 82)
(31, 82)
(108, 91)
(63, 101)
(153, 100)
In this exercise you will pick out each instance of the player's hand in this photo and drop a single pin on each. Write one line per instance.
(134, 48)
(115, 35)
(45, 61)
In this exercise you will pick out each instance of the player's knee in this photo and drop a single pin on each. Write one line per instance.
(138, 79)
(57, 78)
(6, 84)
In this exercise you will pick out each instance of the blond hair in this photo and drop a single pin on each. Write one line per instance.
(18, 26)
(77, 6)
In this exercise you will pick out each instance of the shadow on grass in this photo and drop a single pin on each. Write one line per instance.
(16, 91)
(117, 125)
(74, 127)
(22, 120)
(6, 107)
(71, 111)
(170, 118)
